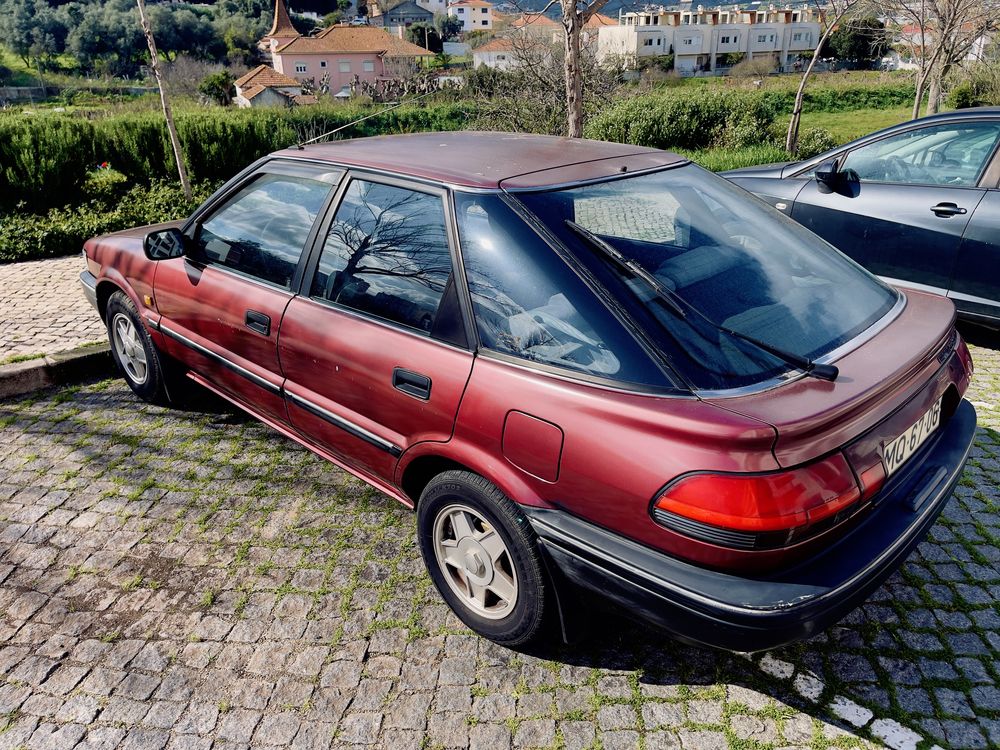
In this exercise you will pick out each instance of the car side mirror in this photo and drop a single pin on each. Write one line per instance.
(164, 244)
(829, 177)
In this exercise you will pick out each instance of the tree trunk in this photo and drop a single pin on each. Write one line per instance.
(572, 24)
(154, 62)
(792, 137)
(918, 97)
(934, 95)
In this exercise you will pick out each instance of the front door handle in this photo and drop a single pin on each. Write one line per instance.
(411, 383)
(948, 209)
(258, 321)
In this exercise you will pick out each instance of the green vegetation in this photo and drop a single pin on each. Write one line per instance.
(45, 160)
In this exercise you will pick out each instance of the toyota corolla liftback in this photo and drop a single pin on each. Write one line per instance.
(585, 366)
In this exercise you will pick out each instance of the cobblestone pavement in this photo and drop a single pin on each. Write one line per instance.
(43, 310)
(189, 579)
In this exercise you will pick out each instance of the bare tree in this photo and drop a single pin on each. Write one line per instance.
(940, 35)
(839, 11)
(154, 62)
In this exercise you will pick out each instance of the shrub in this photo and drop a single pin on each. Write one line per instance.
(62, 231)
(963, 96)
(719, 160)
(687, 119)
(815, 141)
(45, 159)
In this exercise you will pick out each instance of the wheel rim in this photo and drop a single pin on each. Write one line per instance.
(128, 346)
(475, 561)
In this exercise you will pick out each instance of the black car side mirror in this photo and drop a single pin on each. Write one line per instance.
(164, 244)
(829, 177)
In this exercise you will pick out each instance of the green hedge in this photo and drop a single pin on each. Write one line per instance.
(62, 231)
(45, 159)
(682, 118)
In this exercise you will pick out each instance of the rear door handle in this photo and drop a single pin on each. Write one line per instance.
(259, 322)
(948, 209)
(411, 383)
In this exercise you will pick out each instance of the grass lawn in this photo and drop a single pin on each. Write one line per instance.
(846, 126)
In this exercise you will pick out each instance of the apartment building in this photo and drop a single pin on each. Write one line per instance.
(703, 39)
(475, 15)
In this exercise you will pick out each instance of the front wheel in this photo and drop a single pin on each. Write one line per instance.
(483, 558)
(133, 350)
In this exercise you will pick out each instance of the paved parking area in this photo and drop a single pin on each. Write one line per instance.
(189, 579)
(43, 311)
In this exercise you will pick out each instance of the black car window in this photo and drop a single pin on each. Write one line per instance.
(386, 254)
(740, 263)
(528, 303)
(262, 229)
(952, 154)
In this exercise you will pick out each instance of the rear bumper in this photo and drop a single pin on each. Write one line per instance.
(722, 610)
(89, 284)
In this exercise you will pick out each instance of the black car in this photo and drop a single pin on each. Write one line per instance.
(916, 203)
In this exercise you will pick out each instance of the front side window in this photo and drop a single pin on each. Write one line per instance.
(529, 304)
(387, 255)
(953, 154)
(730, 260)
(261, 230)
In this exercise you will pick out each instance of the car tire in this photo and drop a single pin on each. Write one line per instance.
(134, 352)
(484, 559)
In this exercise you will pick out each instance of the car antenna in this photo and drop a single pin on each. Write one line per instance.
(302, 144)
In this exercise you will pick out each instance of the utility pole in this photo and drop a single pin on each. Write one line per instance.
(154, 60)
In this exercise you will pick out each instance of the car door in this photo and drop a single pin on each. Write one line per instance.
(905, 216)
(221, 304)
(975, 284)
(376, 348)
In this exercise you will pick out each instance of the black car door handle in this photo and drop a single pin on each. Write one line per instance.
(948, 209)
(259, 322)
(411, 383)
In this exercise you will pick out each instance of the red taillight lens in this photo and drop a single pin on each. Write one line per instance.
(774, 502)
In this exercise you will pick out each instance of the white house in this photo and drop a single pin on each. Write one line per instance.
(498, 53)
(475, 15)
(698, 38)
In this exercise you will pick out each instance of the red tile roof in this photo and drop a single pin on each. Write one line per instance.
(282, 27)
(496, 45)
(344, 38)
(266, 77)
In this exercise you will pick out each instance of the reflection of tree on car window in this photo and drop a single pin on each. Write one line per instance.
(387, 254)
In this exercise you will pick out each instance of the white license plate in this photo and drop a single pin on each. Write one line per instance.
(895, 452)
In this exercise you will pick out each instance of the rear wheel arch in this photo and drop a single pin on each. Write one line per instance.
(421, 469)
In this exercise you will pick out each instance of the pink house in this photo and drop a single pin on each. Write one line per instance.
(343, 52)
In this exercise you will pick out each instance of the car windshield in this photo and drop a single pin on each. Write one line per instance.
(739, 263)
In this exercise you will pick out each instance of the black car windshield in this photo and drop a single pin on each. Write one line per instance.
(742, 264)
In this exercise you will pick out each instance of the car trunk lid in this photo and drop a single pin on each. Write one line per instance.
(883, 388)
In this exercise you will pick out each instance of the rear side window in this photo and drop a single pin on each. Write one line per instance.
(387, 255)
(529, 304)
(262, 229)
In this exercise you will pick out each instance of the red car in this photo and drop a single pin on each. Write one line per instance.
(581, 363)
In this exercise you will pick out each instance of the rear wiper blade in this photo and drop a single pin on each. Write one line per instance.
(666, 294)
(674, 301)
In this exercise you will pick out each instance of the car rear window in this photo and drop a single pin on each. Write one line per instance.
(742, 264)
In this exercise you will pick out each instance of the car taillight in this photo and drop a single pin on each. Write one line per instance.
(762, 511)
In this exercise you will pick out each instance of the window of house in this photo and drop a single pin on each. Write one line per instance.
(485, 22)
(368, 66)
(261, 230)
(387, 255)
(658, 41)
(647, 42)
(460, 10)
(724, 40)
(322, 63)
(761, 38)
(300, 67)
(687, 42)
(656, 20)
(344, 66)
(486, 10)
(501, 57)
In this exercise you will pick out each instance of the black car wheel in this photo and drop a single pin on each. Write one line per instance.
(133, 350)
(483, 557)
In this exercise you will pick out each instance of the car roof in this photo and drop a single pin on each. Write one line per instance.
(486, 160)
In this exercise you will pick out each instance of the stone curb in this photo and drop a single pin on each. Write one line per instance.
(62, 368)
